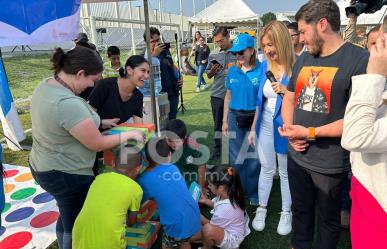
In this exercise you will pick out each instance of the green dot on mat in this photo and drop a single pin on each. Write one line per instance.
(23, 193)
(7, 206)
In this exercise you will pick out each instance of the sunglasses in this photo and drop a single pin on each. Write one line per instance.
(238, 52)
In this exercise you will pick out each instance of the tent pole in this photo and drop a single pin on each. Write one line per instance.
(131, 29)
(181, 20)
(149, 56)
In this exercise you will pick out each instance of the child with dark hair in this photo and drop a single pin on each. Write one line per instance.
(162, 181)
(187, 153)
(113, 198)
(228, 226)
(2, 197)
(111, 68)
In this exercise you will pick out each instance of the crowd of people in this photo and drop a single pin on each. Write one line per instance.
(314, 108)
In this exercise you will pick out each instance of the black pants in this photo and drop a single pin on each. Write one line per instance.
(217, 105)
(312, 191)
(69, 191)
(173, 106)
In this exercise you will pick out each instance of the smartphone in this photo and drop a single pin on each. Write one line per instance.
(167, 45)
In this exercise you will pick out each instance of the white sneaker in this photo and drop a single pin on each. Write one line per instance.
(259, 219)
(204, 87)
(198, 89)
(285, 223)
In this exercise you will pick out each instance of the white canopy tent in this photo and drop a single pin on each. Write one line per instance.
(363, 19)
(226, 13)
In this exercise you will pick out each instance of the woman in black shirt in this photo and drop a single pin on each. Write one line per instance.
(117, 99)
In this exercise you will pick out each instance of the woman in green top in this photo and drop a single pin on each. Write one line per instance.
(66, 136)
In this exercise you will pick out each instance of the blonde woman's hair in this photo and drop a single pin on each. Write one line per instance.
(279, 36)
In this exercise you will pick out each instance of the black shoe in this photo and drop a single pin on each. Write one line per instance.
(215, 155)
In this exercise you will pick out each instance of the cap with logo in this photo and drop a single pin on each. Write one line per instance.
(241, 42)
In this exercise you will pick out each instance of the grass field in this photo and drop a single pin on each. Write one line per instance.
(26, 72)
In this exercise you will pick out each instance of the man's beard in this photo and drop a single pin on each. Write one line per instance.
(317, 44)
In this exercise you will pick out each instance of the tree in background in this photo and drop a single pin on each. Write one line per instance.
(268, 17)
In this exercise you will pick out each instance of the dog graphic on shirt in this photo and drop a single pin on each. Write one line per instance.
(311, 97)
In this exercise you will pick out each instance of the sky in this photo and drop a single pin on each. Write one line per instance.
(258, 6)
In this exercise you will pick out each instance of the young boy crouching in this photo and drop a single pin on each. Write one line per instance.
(101, 222)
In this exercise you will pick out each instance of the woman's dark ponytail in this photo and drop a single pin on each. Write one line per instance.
(123, 73)
(57, 60)
(229, 177)
(76, 59)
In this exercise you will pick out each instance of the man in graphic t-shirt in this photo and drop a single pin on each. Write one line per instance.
(313, 110)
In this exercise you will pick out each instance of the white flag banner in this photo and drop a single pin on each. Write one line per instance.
(26, 22)
(10, 121)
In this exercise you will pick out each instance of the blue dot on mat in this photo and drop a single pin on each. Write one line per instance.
(2, 230)
(42, 198)
(19, 214)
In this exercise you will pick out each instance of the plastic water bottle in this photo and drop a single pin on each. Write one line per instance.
(156, 74)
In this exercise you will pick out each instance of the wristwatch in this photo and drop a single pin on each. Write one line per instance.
(312, 134)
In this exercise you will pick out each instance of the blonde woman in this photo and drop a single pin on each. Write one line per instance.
(272, 148)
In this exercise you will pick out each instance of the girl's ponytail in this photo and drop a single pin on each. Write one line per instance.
(236, 194)
(229, 177)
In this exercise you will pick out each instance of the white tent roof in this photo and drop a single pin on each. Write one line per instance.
(225, 11)
(363, 19)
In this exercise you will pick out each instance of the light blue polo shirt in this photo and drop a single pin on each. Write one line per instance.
(244, 87)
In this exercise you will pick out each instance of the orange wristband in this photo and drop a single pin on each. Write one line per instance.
(312, 134)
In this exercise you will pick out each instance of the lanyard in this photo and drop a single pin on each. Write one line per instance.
(57, 78)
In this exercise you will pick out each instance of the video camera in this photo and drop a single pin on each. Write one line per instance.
(358, 7)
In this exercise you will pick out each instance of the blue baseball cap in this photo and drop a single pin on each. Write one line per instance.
(241, 42)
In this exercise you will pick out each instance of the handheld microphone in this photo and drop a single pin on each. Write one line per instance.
(272, 79)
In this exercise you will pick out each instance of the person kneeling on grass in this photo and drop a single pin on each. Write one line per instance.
(186, 153)
(162, 181)
(101, 222)
(229, 224)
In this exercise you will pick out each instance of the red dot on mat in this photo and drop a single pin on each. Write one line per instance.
(44, 219)
(16, 240)
(10, 173)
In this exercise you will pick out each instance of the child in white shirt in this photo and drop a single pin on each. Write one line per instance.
(228, 226)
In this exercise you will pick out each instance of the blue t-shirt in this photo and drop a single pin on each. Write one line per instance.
(244, 87)
(179, 213)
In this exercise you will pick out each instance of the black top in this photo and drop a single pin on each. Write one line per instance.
(107, 100)
(168, 78)
(322, 87)
(86, 93)
(201, 53)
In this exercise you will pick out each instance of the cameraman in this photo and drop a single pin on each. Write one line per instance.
(354, 34)
(357, 36)
(170, 80)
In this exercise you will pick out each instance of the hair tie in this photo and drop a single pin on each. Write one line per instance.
(229, 171)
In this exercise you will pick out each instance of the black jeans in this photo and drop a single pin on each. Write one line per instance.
(173, 106)
(217, 105)
(312, 191)
(69, 191)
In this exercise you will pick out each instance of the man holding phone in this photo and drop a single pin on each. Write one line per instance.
(219, 61)
(169, 82)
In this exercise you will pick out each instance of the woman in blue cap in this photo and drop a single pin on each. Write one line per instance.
(242, 85)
